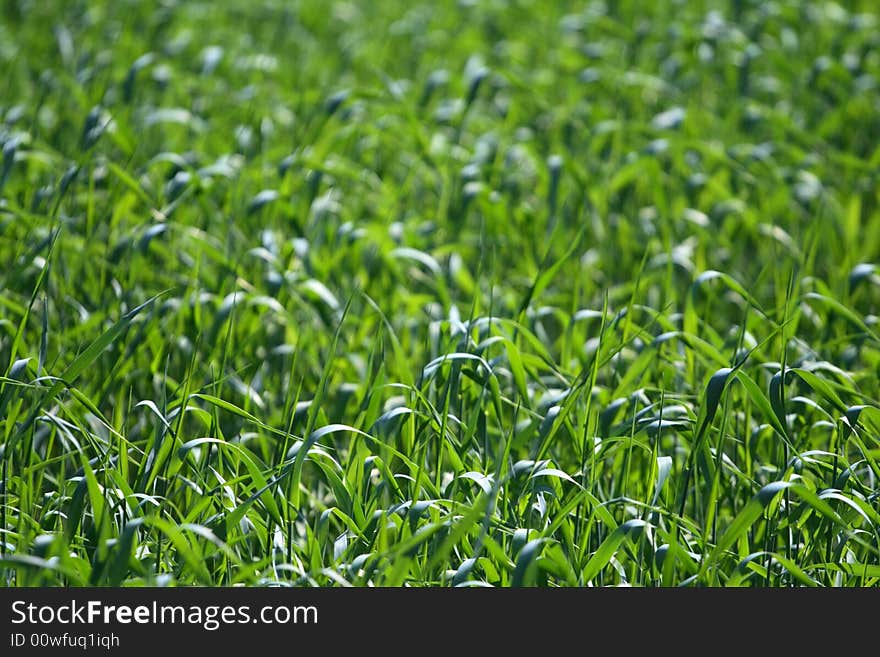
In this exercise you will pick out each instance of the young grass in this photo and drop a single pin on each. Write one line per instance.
(457, 294)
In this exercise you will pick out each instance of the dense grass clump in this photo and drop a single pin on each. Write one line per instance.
(476, 293)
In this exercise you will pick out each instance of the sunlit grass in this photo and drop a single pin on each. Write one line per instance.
(440, 294)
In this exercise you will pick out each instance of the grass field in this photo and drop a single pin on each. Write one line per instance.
(440, 294)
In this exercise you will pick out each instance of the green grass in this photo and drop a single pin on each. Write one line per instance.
(417, 294)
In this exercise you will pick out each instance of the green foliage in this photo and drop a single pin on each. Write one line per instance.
(440, 294)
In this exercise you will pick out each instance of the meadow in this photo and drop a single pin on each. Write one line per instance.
(477, 293)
